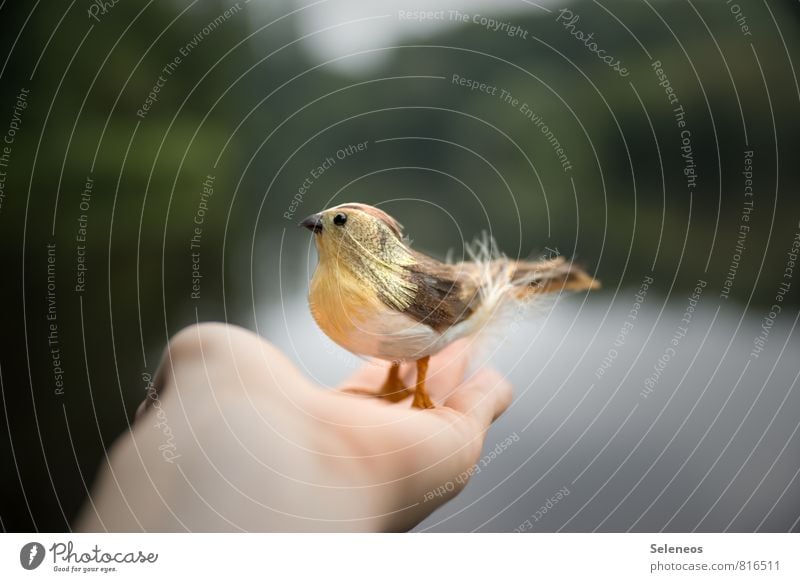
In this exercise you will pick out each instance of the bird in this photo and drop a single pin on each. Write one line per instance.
(377, 297)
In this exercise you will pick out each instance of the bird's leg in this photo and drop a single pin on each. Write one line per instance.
(393, 388)
(421, 398)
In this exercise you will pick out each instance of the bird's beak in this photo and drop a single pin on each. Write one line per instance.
(313, 222)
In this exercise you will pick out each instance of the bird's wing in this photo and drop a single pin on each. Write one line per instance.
(445, 294)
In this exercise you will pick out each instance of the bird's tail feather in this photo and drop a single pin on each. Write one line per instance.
(497, 275)
(508, 289)
(550, 276)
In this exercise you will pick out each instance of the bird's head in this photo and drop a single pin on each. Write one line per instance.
(356, 234)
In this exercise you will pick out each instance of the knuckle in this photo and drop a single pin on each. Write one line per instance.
(196, 339)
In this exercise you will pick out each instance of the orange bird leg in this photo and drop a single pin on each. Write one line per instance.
(393, 388)
(421, 398)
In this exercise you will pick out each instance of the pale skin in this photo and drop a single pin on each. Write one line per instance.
(238, 438)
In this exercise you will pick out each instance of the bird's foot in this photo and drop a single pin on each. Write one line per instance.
(392, 389)
(394, 393)
(422, 400)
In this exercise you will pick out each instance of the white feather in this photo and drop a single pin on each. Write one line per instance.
(501, 307)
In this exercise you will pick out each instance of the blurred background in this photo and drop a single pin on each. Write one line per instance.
(157, 156)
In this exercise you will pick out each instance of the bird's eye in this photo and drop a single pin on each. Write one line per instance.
(340, 219)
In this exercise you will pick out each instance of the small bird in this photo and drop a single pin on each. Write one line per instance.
(377, 297)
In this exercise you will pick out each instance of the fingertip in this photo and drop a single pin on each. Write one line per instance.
(502, 391)
(483, 397)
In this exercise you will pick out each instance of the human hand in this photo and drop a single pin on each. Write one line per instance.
(234, 437)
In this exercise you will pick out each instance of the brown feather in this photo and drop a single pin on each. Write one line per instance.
(449, 293)
(445, 294)
(395, 226)
(550, 276)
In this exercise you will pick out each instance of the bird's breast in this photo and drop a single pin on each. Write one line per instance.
(340, 301)
(352, 314)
